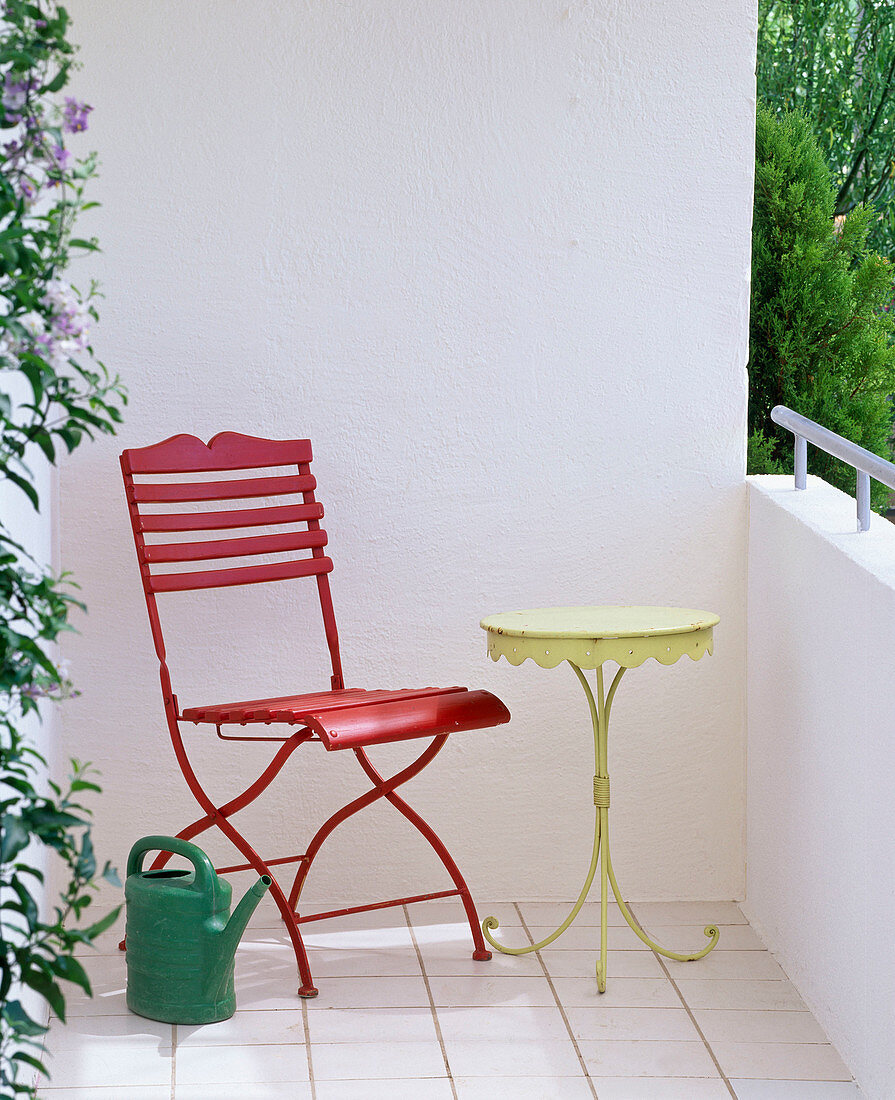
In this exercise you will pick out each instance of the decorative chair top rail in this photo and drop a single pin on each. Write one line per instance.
(865, 462)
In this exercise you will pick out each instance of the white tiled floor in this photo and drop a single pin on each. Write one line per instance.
(405, 1013)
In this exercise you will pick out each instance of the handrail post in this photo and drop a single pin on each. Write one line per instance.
(863, 496)
(801, 462)
(866, 464)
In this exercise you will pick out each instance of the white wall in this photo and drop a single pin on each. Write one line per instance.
(821, 824)
(493, 258)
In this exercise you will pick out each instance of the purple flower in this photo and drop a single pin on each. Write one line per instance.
(61, 156)
(74, 115)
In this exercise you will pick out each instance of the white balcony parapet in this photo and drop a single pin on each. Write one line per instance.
(867, 465)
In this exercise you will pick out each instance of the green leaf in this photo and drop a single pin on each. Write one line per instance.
(16, 1016)
(68, 968)
(26, 487)
(59, 80)
(29, 1059)
(48, 989)
(15, 839)
(103, 923)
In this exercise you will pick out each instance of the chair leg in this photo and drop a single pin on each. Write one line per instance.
(480, 951)
(384, 788)
(351, 808)
(219, 817)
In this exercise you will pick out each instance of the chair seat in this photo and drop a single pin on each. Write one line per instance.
(352, 717)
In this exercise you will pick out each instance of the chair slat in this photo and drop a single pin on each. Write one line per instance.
(226, 451)
(234, 548)
(242, 517)
(149, 493)
(251, 574)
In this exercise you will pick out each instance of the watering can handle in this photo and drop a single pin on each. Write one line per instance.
(205, 873)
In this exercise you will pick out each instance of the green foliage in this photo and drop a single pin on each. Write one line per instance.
(835, 61)
(820, 329)
(54, 393)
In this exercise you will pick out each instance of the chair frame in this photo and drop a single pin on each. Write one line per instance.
(184, 454)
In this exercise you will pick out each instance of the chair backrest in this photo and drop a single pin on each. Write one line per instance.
(176, 503)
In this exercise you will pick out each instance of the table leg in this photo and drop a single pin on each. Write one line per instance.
(599, 711)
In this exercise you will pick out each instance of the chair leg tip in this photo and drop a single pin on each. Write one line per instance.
(307, 991)
(481, 956)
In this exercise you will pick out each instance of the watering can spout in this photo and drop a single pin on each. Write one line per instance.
(232, 933)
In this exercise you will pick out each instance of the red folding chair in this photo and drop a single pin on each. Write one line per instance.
(341, 718)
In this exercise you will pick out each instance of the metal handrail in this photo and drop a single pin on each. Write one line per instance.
(867, 465)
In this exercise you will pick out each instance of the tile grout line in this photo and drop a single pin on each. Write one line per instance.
(307, 1030)
(559, 1005)
(439, 1036)
(689, 1012)
(173, 1059)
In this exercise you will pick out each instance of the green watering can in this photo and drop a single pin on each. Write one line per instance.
(180, 942)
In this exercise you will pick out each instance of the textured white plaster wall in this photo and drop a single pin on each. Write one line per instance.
(820, 821)
(493, 258)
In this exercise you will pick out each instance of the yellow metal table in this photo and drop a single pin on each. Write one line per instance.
(586, 637)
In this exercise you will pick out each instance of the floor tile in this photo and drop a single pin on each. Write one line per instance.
(555, 912)
(109, 1064)
(692, 937)
(646, 1058)
(745, 1026)
(372, 1025)
(491, 1023)
(447, 911)
(622, 964)
(448, 960)
(781, 1061)
(108, 978)
(523, 1088)
(796, 1090)
(459, 936)
(392, 917)
(663, 1088)
(759, 965)
(578, 937)
(431, 1088)
(620, 992)
(364, 939)
(245, 1029)
(237, 1065)
(368, 1061)
(82, 1030)
(270, 1090)
(116, 1092)
(651, 913)
(496, 990)
(600, 1022)
(407, 992)
(350, 963)
(509, 1057)
(736, 993)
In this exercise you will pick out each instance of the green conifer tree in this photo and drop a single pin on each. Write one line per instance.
(820, 327)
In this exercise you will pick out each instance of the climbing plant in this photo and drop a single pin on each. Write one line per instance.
(54, 395)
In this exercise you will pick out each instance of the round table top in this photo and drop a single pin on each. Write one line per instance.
(599, 622)
(587, 636)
